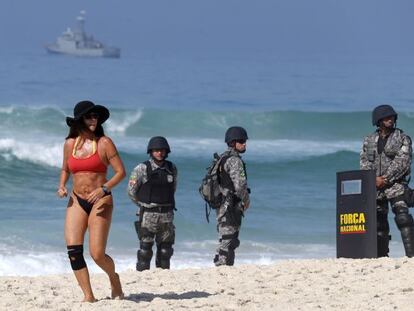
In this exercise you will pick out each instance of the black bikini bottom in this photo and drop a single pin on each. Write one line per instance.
(86, 206)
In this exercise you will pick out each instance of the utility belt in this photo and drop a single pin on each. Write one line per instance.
(157, 209)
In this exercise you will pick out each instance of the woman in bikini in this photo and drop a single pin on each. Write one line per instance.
(86, 155)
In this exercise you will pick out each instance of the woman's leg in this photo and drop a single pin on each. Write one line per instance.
(76, 223)
(99, 225)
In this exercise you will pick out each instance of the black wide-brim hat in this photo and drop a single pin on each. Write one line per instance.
(84, 107)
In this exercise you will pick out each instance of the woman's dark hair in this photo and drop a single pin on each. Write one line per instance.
(79, 126)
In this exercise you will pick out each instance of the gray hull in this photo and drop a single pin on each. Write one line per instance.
(106, 52)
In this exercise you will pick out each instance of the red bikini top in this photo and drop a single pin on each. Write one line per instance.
(92, 163)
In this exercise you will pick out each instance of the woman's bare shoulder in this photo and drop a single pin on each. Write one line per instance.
(106, 141)
(69, 142)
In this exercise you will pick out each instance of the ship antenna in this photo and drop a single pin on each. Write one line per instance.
(81, 21)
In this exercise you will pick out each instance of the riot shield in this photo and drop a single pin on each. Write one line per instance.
(356, 218)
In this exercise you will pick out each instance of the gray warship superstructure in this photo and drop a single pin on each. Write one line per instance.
(78, 43)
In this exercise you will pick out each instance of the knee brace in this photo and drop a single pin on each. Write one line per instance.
(75, 253)
(164, 253)
(404, 220)
(146, 250)
(144, 255)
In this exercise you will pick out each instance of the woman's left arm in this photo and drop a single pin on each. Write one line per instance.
(113, 158)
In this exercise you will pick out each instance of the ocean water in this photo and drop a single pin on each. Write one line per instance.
(305, 117)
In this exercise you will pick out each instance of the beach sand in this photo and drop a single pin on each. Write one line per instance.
(328, 284)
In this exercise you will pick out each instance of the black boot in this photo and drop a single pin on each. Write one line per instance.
(383, 240)
(407, 236)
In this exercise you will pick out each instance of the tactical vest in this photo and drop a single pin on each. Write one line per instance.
(225, 180)
(159, 187)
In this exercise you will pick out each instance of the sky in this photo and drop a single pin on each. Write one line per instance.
(289, 27)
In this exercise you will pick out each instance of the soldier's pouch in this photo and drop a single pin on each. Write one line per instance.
(371, 155)
(138, 223)
(234, 216)
(371, 147)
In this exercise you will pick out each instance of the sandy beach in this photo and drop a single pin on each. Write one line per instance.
(328, 284)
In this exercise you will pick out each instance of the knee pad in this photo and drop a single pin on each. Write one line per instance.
(164, 253)
(400, 206)
(145, 251)
(165, 250)
(404, 220)
(75, 253)
(144, 255)
(234, 240)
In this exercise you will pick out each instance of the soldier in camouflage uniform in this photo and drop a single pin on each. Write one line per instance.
(233, 185)
(151, 186)
(388, 151)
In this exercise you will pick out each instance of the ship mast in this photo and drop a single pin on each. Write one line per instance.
(81, 22)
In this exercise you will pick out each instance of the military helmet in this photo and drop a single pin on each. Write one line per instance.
(235, 133)
(381, 112)
(158, 142)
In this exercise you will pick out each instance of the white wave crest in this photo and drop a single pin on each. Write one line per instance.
(188, 254)
(261, 150)
(120, 126)
(7, 110)
(34, 264)
(287, 149)
(44, 153)
(50, 151)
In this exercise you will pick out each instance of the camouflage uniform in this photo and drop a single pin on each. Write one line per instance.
(155, 221)
(394, 163)
(230, 213)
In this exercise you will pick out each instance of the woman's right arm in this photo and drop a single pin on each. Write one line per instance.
(64, 173)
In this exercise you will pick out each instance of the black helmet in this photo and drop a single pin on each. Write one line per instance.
(381, 112)
(158, 142)
(235, 133)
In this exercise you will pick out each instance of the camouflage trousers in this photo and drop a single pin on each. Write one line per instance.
(228, 227)
(157, 226)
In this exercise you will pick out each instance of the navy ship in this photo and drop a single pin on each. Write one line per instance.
(78, 43)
